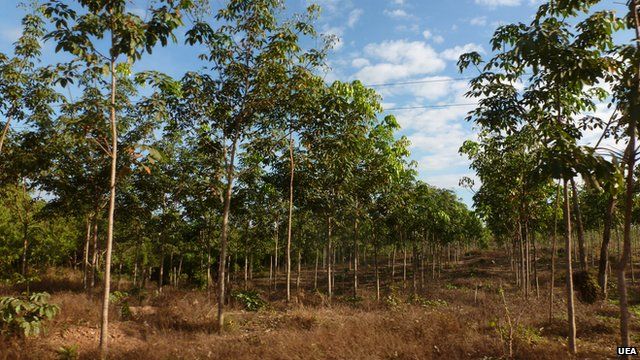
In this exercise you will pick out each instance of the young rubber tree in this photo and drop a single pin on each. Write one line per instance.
(107, 37)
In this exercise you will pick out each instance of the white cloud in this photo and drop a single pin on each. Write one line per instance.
(398, 14)
(478, 21)
(398, 2)
(496, 3)
(428, 35)
(354, 16)
(399, 59)
(454, 53)
(413, 28)
(360, 62)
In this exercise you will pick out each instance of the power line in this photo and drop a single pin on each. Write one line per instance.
(420, 82)
(429, 107)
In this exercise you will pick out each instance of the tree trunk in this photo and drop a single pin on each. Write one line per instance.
(25, 228)
(223, 236)
(578, 217)
(275, 256)
(414, 262)
(246, 271)
(355, 257)
(5, 131)
(570, 305)
(604, 249)
(85, 257)
(289, 225)
(404, 265)
(161, 269)
(299, 271)
(104, 328)
(628, 211)
(393, 265)
(315, 276)
(179, 273)
(329, 260)
(375, 262)
(94, 255)
(535, 264)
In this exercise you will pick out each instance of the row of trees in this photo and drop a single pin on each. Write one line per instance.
(529, 153)
(247, 158)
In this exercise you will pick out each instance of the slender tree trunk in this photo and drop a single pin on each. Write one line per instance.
(25, 228)
(553, 251)
(161, 269)
(628, 210)
(393, 265)
(415, 268)
(5, 131)
(246, 271)
(375, 262)
(85, 257)
(104, 328)
(535, 263)
(299, 271)
(224, 231)
(578, 217)
(570, 303)
(523, 268)
(329, 260)
(275, 255)
(527, 260)
(604, 248)
(355, 257)
(404, 265)
(290, 222)
(315, 276)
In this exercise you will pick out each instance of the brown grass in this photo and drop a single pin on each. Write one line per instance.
(450, 322)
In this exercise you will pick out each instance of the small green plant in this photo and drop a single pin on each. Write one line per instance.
(635, 310)
(117, 297)
(121, 298)
(25, 315)
(68, 352)
(250, 299)
(393, 300)
(426, 303)
(450, 287)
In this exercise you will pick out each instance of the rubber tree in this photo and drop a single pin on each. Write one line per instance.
(99, 35)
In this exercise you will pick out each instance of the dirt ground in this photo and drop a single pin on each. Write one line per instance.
(459, 314)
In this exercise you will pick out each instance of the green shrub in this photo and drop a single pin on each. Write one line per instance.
(121, 299)
(68, 352)
(419, 300)
(26, 314)
(393, 300)
(250, 299)
(586, 284)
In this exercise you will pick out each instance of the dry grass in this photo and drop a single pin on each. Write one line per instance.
(451, 320)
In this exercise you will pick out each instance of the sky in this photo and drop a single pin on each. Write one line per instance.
(385, 44)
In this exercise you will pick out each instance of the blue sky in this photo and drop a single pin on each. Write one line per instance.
(385, 42)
